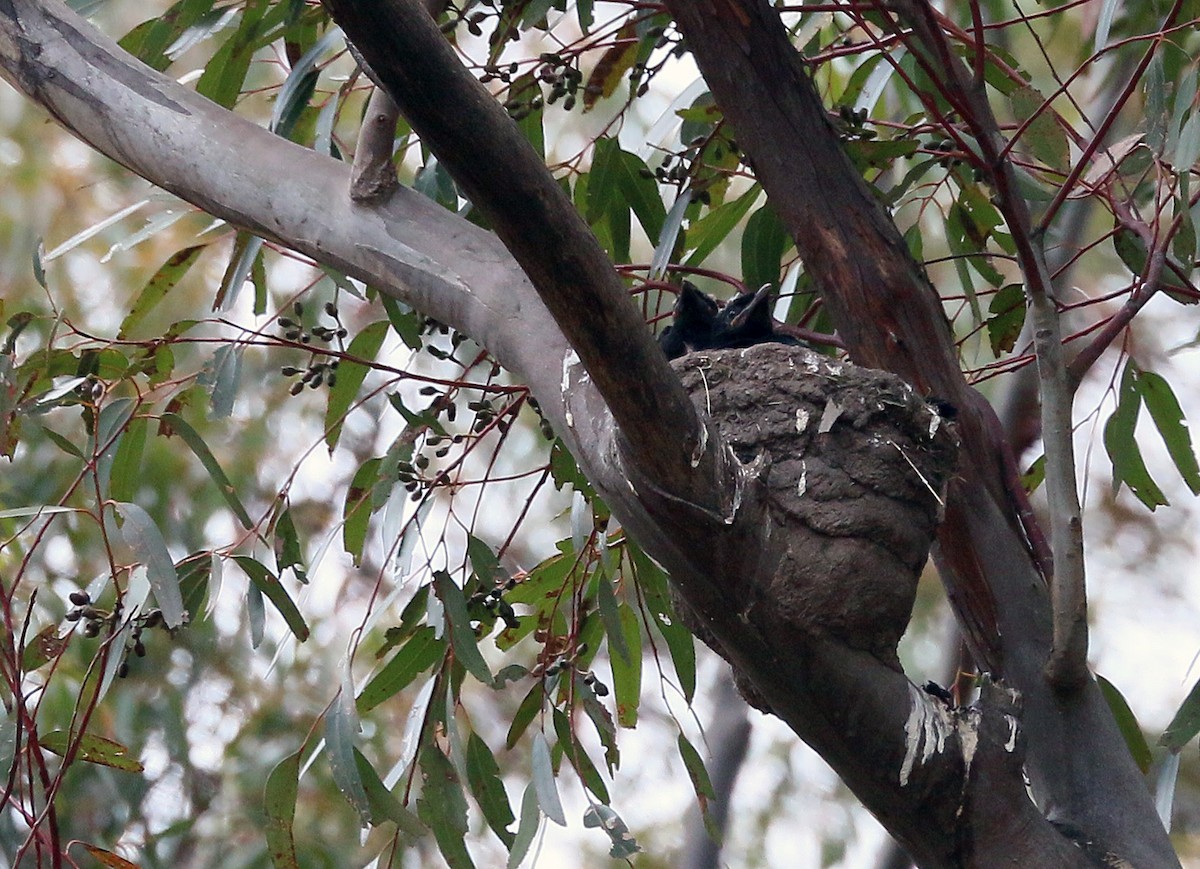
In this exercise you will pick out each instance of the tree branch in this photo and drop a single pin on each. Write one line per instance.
(532, 215)
(883, 307)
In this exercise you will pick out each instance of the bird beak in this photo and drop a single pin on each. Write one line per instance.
(761, 298)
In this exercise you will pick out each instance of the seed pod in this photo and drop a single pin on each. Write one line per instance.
(80, 598)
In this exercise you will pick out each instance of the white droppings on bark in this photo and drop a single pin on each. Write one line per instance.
(925, 731)
(802, 487)
(829, 416)
(801, 419)
(935, 421)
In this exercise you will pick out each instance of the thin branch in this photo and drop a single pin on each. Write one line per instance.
(451, 111)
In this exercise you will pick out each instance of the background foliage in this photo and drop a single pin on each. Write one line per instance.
(407, 611)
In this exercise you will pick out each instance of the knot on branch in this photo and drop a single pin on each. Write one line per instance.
(853, 464)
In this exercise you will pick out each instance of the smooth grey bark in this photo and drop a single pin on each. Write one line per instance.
(837, 698)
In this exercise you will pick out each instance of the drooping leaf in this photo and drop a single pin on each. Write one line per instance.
(544, 782)
(578, 756)
(443, 806)
(1128, 465)
(462, 636)
(611, 615)
(350, 376)
(763, 244)
(530, 706)
(1185, 724)
(624, 845)
(1006, 318)
(1127, 723)
(341, 731)
(125, 475)
(288, 552)
(701, 783)
(526, 829)
(196, 443)
(93, 749)
(1168, 419)
(1044, 138)
(279, 806)
(422, 651)
(108, 858)
(627, 675)
(157, 288)
(268, 583)
(223, 377)
(385, 805)
(357, 509)
(483, 774)
(652, 581)
(146, 541)
(44, 647)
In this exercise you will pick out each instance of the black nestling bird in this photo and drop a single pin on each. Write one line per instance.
(746, 320)
(699, 324)
(692, 325)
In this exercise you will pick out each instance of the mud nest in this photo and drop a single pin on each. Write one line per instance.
(854, 464)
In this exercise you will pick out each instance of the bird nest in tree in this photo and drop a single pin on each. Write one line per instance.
(854, 465)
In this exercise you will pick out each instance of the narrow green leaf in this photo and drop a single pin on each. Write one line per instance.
(279, 806)
(611, 615)
(405, 321)
(93, 749)
(578, 756)
(1122, 448)
(1168, 419)
(385, 805)
(483, 774)
(653, 583)
(712, 229)
(422, 651)
(1127, 723)
(641, 193)
(1185, 724)
(247, 252)
(341, 731)
(443, 806)
(1006, 318)
(1044, 138)
(605, 728)
(256, 615)
(350, 376)
(268, 583)
(45, 646)
(146, 541)
(462, 636)
(697, 772)
(531, 819)
(763, 244)
(356, 511)
(224, 75)
(125, 476)
(485, 563)
(196, 443)
(624, 845)
(627, 675)
(157, 288)
(223, 376)
(544, 782)
(288, 552)
(62, 443)
(526, 712)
